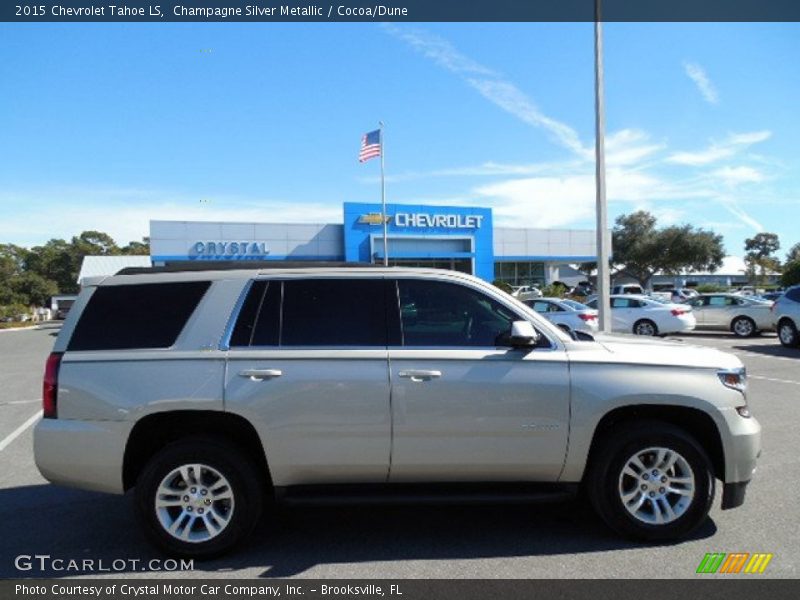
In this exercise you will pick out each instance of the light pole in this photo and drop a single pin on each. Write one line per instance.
(603, 241)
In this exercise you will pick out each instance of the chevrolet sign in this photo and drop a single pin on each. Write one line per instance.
(443, 221)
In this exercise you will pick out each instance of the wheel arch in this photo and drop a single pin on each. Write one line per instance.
(696, 422)
(154, 431)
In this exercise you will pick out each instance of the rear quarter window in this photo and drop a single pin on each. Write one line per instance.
(123, 317)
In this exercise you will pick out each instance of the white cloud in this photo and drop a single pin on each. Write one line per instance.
(733, 207)
(125, 214)
(628, 147)
(540, 201)
(491, 85)
(697, 74)
(716, 151)
(736, 175)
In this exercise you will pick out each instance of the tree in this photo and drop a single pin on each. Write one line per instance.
(791, 273)
(794, 253)
(12, 260)
(641, 250)
(137, 248)
(54, 261)
(30, 288)
(759, 250)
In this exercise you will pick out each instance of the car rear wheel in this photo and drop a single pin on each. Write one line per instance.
(787, 333)
(743, 327)
(652, 481)
(645, 327)
(198, 497)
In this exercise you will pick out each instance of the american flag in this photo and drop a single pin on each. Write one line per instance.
(370, 145)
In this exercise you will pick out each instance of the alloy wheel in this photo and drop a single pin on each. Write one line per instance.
(656, 485)
(194, 503)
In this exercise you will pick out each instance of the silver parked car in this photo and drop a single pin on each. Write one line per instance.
(745, 316)
(786, 317)
(219, 389)
(566, 313)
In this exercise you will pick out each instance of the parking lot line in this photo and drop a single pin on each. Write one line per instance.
(774, 379)
(19, 430)
(35, 400)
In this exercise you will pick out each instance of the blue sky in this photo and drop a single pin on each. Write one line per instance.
(105, 126)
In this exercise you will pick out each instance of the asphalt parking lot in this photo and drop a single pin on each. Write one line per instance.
(533, 541)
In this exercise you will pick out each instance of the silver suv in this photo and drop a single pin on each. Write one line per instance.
(212, 392)
(786, 316)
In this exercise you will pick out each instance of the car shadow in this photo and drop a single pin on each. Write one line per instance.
(72, 524)
(773, 350)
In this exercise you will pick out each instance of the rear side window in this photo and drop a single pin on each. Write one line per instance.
(123, 317)
(334, 312)
(317, 312)
(794, 294)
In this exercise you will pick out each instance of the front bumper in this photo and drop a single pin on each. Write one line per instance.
(733, 494)
(741, 439)
(81, 454)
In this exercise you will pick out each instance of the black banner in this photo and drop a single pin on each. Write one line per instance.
(399, 10)
(712, 588)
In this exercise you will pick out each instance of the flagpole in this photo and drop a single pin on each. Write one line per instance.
(383, 200)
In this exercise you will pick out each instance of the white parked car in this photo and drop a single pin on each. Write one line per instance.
(743, 315)
(646, 316)
(567, 314)
(682, 294)
(526, 292)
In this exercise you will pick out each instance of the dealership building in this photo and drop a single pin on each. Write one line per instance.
(450, 237)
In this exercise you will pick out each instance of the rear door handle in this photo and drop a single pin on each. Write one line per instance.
(260, 374)
(415, 375)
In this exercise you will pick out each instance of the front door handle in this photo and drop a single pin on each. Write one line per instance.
(260, 374)
(415, 375)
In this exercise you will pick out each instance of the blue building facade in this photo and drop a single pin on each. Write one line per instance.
(461, 237)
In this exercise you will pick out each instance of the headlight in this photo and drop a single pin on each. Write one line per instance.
(734, 378)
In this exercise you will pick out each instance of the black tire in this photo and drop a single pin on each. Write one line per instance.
(243, 510)
(611, 455)
(645, 327)
(787, 333)
(743, 327)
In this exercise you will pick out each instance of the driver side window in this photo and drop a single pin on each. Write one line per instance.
(437, 313)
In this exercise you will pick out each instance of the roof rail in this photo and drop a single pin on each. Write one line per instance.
(228, 265)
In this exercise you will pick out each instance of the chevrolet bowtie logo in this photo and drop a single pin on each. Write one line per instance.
(373, 219)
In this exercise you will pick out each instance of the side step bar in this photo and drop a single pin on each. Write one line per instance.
(430, 494)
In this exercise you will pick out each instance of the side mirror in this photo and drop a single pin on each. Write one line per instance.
(523, 335)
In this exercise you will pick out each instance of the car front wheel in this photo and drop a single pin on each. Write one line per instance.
(651, 481)
(198, 497)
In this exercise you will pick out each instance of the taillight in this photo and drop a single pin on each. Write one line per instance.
(677, 312)
(586, 317)
(50, 386)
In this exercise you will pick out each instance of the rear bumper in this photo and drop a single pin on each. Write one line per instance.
(81, 454)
